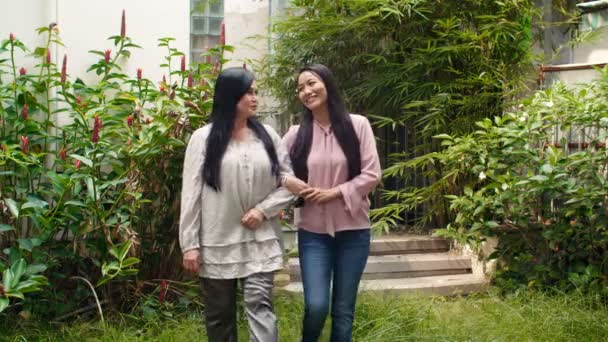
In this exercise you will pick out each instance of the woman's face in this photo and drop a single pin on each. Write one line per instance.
(248, 104)
(311, 91)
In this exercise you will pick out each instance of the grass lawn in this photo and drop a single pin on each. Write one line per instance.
(380, 317)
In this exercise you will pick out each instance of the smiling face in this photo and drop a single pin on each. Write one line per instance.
(311, 91)
(248, 104)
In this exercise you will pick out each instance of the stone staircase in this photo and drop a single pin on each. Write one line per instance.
(408, 263)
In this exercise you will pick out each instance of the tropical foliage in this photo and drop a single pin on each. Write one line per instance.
(536, 178)
(418, 68)
(94, 197)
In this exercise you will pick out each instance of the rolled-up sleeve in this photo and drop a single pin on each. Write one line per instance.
(280, 197)
(192, 186)
(355, 191)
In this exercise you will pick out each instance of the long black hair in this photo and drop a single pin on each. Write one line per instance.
(341, 125)
(231, 85)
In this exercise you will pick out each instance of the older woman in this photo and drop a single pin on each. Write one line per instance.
(231, 197)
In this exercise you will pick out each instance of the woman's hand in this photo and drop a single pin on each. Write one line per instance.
(191, 260)
(252, 219)
(318, 196)
(294, 185)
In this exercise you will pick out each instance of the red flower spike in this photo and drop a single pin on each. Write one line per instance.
(139, 72)
(190, 80)
(22, 71)
(123, 25)
(77, 164)
(62, 154)
(25, 144)
(11, 37)
(216, 67)
(223, 34)
(24, 112)
(64, 68)
(130, 120)
(163, 291)
(107, 56)
(183, 64)
(96, 129)
(48, 56)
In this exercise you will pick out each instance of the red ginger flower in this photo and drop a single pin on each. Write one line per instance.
(190, 80)
(139, 72)
(25, 144)
(130, 120)
(183, 64)
(223, 34)
(163, 291)
(77, 164)
(62, 154)
(48, 56)
(11, 37)
(123, 25)
(24, 111)
(96, 129)
(107, 55)
(64, 68)
(22, 71)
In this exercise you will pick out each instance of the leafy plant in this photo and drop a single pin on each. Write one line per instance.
(20, 279)
(536, 178)
(418, 68)
(80, 197)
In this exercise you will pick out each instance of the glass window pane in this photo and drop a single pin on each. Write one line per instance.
(215, 26)
(216, 8)
(198, 6)
(199, 25)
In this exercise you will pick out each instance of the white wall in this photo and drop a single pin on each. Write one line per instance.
(243, 20)
(85, 25)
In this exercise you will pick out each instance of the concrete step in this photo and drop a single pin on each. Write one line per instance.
(404, 266)
(408, 244)
(446, 285)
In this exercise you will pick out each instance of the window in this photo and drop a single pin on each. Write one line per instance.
(205, 25)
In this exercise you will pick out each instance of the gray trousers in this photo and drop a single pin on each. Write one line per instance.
(219, 298)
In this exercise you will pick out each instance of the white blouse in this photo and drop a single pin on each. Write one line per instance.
(211, 221)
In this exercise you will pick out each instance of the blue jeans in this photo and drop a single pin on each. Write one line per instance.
(322, 256)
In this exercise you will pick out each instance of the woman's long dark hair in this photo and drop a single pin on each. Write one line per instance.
(341, 125)
(231, 85)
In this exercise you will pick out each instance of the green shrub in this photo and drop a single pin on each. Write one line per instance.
(542, 194)
(94, 197)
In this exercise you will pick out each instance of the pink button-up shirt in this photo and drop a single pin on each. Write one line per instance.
(328, 168)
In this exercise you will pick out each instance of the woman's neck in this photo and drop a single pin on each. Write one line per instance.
(240, 128)
(321, 115)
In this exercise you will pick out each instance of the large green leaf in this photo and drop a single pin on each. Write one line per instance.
(5, 228)
(13, 207)
(3, 303)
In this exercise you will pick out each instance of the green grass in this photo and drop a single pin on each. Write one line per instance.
(379, 317)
